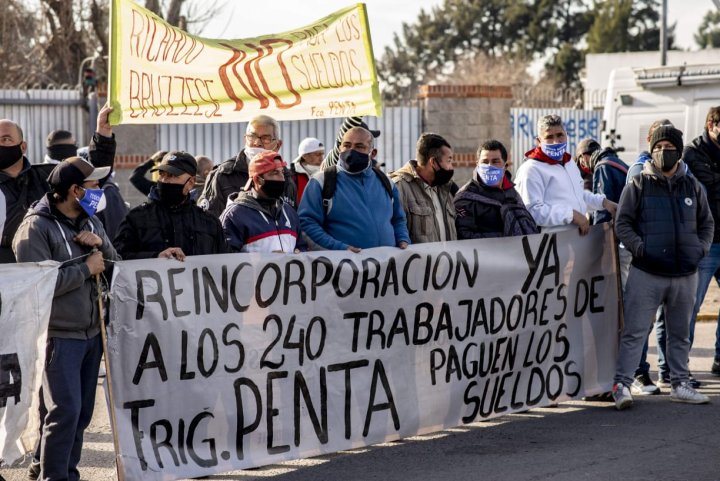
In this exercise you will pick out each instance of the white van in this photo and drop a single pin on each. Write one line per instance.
(636, 97)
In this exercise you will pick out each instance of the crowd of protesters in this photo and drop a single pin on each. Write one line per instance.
(664, 207)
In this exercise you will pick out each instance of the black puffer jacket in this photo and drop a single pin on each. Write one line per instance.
(20, 193)
(703, 158)
(152, 227)
(230, 177)
(665, 222)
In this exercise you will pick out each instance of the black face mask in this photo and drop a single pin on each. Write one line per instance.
(442, 176)
(355, 161)
(9, 155)
(273, 188)
(665, 160)
(61, 152)
(171, 194)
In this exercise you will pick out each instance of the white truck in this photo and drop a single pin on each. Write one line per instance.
(636, 97)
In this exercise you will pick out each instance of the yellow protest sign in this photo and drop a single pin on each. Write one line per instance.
(161, 74)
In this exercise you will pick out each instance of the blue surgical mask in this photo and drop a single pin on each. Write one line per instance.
(93, 201)
(490, 175)
(554, 151)
(354, 161)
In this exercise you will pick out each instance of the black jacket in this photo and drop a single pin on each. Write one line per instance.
(20, 193)
(115, 210)
(703, 158)
(230, 177)
(477, 218)
(152, 227)
(102, 151)
(138, 179)
(665, 223)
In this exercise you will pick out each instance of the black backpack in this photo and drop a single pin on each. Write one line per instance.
(330, 183)
(515, 216)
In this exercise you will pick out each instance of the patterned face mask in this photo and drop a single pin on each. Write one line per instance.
(489, 174)
(554, 151)
(93, 201)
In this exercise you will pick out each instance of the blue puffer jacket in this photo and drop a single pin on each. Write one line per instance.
(362, 213)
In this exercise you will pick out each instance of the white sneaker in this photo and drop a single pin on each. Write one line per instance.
(622, 397)
(643, 386)
(683, 393)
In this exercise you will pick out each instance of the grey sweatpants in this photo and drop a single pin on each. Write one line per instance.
(644, 292)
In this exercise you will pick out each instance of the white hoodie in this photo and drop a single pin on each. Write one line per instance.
(552, 192)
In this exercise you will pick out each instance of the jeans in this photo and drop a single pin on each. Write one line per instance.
(717, 329)
(706, 270)
(69, 385)
(645, 292)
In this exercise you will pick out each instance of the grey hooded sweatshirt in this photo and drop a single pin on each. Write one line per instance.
(46, 234)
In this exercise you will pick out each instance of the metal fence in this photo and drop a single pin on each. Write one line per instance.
(39, 112)
(579, 124)
(525, 96)
(400, 127)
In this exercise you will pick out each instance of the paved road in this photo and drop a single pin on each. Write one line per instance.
(656, 439)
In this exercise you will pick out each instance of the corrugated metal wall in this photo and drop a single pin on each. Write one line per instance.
(39, 112)
(579, 124)
(400, 127)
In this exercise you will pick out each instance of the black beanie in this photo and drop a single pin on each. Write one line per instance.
(666, 132)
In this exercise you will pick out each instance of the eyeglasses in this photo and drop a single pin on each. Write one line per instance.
(264, 139)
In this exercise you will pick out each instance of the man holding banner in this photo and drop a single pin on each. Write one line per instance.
(62, 227)
(169, 225)
(362, 209)
(550, 184)
(258, 220)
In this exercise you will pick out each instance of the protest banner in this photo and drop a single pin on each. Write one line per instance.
(160, 74)
(231, 361)
(26, 293)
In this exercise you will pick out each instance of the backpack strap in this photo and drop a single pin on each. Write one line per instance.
(328, 188)
(612, 163)
(384, 179)
(330, 183)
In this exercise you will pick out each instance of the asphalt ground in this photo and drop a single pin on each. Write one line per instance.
(654, 440)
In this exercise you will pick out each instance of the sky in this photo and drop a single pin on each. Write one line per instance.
(237, 20)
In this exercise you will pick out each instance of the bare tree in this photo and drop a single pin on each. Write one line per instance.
(48, 45)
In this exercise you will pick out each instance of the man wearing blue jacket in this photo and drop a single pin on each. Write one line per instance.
(361, 213)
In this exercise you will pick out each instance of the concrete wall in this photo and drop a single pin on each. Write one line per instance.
(467, 115)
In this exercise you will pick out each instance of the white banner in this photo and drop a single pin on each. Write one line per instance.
(26, 293)
(227, 362)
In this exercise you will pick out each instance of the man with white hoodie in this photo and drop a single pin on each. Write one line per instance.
(550, 184)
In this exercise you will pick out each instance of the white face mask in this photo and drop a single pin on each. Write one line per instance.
(251, 152)
(311, 169)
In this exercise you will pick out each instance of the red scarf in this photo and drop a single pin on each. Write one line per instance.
(538, 154)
